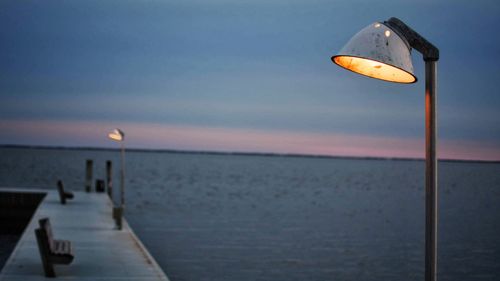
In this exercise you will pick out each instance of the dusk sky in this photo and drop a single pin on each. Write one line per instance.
(251, 76)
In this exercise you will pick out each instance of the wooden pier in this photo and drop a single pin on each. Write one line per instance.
(101, 251)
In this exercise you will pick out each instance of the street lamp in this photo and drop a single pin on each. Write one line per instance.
(119, 136)
(382, 51)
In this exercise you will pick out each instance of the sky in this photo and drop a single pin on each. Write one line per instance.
(248, 76)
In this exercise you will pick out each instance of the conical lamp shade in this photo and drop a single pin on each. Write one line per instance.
(378, 52)
(116, 135)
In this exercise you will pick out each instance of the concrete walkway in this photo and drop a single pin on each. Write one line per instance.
(101, 251)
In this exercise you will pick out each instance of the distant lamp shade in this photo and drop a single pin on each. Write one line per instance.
(116, 135)
(378, 52)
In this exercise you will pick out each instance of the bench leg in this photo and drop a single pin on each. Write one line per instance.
(49, 269)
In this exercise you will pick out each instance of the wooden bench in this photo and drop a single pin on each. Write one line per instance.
(52, 251)
(63, 195)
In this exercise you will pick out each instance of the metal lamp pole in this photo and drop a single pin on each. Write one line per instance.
(122, 177)
(119, 136)
(431, 195)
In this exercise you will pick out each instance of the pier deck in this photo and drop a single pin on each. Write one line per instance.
(101, 251)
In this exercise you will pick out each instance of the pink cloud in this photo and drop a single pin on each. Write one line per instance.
(139, 135)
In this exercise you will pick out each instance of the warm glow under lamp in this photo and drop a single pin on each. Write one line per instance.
(378, 51)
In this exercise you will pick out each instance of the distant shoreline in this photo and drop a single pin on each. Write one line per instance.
(148, 150)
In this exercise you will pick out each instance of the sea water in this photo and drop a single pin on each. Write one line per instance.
(248, 217)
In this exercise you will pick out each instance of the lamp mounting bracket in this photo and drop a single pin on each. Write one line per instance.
(416, 41)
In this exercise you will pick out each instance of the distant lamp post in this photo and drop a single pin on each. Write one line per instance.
(382, 51)
(119, 136)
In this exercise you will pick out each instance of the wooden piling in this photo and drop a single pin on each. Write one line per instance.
(88, 177)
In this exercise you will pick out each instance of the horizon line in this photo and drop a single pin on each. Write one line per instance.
(241, 153)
